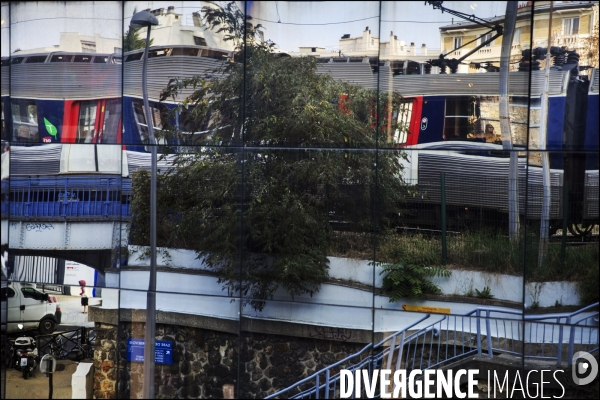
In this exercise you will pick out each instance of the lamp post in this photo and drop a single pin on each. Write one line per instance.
(140, 20)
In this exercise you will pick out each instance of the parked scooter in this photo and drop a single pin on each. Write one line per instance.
(26, 355)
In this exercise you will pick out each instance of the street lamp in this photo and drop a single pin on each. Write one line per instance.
(140, 20)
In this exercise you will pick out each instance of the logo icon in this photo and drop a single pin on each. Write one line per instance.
(50, 128)
(424, 121)
(585, 368)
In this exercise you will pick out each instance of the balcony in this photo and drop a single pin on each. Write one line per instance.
(571, 41)
(490, 53)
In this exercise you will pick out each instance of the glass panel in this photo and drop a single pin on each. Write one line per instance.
(324, 112)
(308, 246)
(176, 55)
(560, 304)
(53, 69)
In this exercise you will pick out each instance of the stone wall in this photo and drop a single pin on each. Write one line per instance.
(204, 360)
(274, 362)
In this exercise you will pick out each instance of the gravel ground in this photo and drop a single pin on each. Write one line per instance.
(36, 387)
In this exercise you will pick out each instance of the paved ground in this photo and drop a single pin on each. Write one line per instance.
(72, 310)
(36, 387)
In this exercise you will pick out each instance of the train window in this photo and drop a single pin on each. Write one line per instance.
(17, 60)
(25, 121)
(134, 56)
(112, 117)
(158, 53)
(5, 62)
(82, 59)
(61, 58)
(100, 60)
(35, 59)
(462, 119)
(217, 55)
(184, 51)
(4, 132)
(87, 122)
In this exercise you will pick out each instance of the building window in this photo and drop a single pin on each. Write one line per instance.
(517, 36)
(570, 26)
(457, 42)
(486, 37)
(88, 46)
(199, 41)
(25, 121)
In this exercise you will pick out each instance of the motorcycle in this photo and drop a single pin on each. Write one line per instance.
(27, 358)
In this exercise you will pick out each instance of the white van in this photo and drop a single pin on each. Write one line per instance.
(26, 305)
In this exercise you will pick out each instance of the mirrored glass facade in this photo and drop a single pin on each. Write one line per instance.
(339, 186)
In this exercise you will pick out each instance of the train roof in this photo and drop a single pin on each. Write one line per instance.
(62, 56)
(180, 51)
(86, 80)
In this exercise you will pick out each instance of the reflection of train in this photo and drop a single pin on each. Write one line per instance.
(61, 97)
(454, 108)
(64, 97)
(451, 122)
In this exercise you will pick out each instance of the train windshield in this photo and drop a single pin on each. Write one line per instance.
(402, 115)
(159, 117)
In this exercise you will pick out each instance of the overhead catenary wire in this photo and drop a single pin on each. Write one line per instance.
(348, 22)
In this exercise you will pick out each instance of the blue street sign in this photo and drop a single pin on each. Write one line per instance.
(163, 352)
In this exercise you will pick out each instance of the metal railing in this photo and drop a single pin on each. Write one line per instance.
(548, 336)
(482, 331)
(447, 339)
(68, 197)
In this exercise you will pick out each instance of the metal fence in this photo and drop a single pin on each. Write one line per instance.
(83, 196)
(76, 344)
(482, 331)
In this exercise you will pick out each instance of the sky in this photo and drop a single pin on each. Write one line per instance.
(289, 24)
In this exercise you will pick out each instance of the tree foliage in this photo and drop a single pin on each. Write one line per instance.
(411, 281)
(132, 40)
(591, 50)
(282, 154)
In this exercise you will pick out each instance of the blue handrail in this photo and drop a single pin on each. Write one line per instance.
(411, 348)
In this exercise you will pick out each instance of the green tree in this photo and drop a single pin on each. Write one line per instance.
(132, 40)
(260, 214)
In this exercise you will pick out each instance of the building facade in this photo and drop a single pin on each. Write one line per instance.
(572, 25)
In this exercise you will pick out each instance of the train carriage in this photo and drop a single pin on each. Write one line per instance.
(446, 122)
(62, 97)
